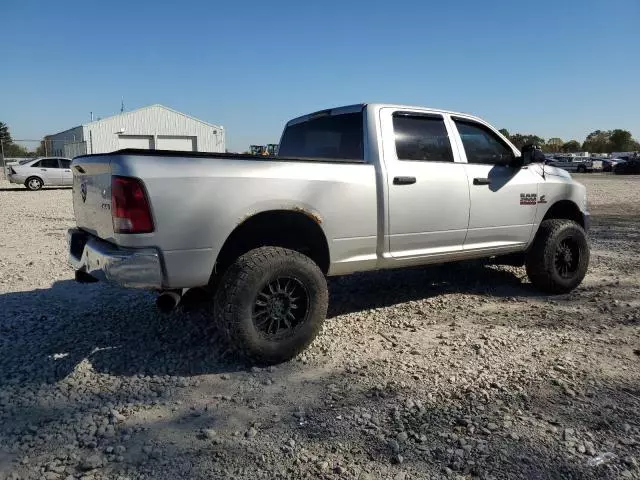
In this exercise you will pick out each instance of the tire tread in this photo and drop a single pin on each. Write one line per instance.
(226, 306)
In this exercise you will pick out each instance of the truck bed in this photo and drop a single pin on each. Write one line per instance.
(230, 156)
(198, 199)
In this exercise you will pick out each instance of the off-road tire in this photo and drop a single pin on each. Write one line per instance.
(33, 183)
(237, 294)
(541, 258)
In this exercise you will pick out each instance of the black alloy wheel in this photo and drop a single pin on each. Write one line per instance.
(567, 258)
(280, 307)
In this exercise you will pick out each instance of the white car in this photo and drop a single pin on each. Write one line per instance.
(40, 172)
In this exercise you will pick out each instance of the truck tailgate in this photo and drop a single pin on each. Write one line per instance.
(92, 195)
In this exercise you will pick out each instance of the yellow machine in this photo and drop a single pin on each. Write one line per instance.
(264, 150)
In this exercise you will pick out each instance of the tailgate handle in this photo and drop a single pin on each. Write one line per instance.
(481, 181)
(404, 180)
(79, 168)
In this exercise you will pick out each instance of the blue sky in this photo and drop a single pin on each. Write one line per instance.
(554, 68)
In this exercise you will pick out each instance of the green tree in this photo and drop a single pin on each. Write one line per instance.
(5, 136)
(621, 141)
(554, 144)
(520, 140)
(571, 146)
(598, 142)
(504, 132)
(15, 150)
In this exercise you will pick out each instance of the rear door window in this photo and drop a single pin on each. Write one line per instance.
(65, 163)
(327, 136)
(421, 138)
(47, 163)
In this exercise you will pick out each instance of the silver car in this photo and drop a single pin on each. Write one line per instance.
(48, 171)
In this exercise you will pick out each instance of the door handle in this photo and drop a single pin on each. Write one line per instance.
(404, 180)
(43, 169)
(481, 181)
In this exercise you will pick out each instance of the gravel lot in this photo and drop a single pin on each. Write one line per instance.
(453, 372)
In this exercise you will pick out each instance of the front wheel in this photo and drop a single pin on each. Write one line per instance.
(582, 169)
(558, 259)
(33, 183)
(271, 304)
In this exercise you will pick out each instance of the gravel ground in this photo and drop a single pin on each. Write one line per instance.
(458, 371)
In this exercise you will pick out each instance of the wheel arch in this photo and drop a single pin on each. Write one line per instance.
(295, 229)
(565, 209)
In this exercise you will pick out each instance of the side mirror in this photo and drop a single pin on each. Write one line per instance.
(532, 154)
(516, 162)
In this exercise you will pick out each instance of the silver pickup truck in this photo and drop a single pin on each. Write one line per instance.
(351, 189)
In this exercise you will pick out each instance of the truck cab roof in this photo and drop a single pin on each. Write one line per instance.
(356, 107)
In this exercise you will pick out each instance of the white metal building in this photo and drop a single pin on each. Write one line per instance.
(153, 127)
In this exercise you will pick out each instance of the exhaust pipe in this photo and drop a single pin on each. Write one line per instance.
(168, 300)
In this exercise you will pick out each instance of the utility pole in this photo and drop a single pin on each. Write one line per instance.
(4, 165)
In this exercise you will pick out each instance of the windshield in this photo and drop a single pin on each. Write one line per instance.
(330, 136)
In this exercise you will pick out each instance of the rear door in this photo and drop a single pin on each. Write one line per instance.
(67, 176)
(428, 194)
(503, 199)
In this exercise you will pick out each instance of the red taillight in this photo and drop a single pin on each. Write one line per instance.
(129, 206)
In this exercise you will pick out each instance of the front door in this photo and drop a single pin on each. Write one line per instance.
(48, 169)
(428, 194)
(503, 198)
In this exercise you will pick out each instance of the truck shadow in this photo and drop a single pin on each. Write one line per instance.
(46, 333)
(391, 287)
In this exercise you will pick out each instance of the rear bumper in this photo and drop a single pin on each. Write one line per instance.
(128, 267)
(13, 178)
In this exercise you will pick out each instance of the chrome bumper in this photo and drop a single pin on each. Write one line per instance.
(135, 268)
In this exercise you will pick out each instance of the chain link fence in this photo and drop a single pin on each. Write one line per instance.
(23, 150)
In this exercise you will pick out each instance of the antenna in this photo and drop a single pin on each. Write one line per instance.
(91, 116)
(121, 104)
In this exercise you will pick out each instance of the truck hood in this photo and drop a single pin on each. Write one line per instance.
(553, 171)
(556, 171)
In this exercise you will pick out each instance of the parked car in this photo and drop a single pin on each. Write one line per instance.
(609, 163)
(628, 167)
(40, 172)
(352, 189)
(574, 164)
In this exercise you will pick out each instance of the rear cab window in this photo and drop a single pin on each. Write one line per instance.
(324, 135)
(421, 137)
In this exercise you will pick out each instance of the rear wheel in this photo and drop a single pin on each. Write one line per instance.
(271, 304)
(559, 256)
(33, 183)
